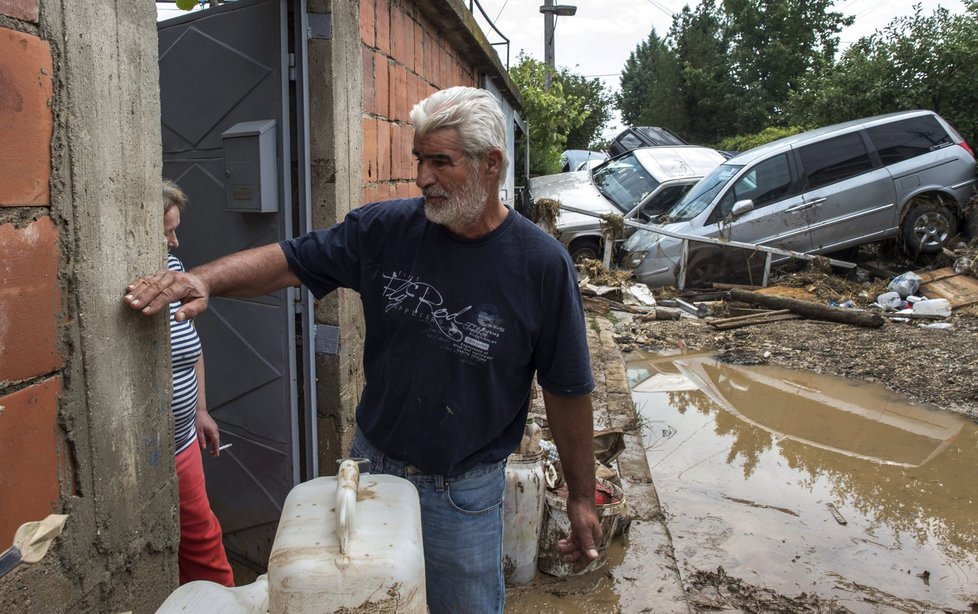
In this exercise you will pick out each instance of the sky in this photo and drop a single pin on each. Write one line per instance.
(597, 41)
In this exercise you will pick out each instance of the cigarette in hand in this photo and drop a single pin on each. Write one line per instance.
(225, 446)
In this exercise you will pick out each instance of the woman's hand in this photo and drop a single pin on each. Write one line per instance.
(207, 432)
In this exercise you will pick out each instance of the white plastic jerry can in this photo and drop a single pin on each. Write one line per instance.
(202, 597)
(348, 543)
(523, 503)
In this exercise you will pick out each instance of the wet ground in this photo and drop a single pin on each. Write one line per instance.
(809, 486)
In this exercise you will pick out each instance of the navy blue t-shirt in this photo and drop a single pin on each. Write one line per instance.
(455, 328)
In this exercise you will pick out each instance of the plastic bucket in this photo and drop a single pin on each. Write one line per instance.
(556, 526)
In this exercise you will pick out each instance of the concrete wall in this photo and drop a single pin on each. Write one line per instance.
(83, 428)
(385, 56)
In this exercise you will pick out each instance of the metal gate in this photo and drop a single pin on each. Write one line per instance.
(236, 70)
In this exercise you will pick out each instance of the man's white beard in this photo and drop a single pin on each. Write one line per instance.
(461, 209)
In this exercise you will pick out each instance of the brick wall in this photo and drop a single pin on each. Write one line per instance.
(32, 457)
(405, 59)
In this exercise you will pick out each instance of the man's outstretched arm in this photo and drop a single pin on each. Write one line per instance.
(253, 272)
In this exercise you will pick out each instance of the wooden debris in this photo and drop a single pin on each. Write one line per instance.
(960, 290)
(809, 309)
(751, 319)
(661, 314)
(601, 304)
(837, 515)
(596, 305)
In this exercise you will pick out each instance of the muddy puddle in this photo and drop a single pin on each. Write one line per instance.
(809, 484)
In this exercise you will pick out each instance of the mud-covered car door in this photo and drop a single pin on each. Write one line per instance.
(776, 217)
(850, 199)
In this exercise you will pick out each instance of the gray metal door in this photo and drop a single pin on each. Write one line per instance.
(218, 68)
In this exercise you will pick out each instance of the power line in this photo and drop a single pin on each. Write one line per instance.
(872, 8)
(500, 11)
(660, 7)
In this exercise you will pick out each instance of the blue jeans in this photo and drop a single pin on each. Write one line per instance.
(462, 530)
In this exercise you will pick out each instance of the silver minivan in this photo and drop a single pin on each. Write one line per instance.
(907, 175)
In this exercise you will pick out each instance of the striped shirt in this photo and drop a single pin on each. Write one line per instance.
(185, 350)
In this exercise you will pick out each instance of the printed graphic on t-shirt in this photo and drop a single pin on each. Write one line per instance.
(467, 331)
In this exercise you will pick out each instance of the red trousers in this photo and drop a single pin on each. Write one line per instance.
(201, 555)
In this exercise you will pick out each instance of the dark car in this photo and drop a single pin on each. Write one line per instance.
(643, 136)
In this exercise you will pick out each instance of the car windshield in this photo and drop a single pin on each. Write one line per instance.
(624, 181)
(701, 195)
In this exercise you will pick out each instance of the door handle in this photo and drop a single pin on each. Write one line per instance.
(799, 207)
(817, 201)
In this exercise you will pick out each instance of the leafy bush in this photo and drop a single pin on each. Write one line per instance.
(743, 142)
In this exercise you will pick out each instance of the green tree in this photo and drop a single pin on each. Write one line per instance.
(918, 61)
(596, 106)
(650, 87)
(774, 45)
(550, 113)
(708, 96)
(729, 67)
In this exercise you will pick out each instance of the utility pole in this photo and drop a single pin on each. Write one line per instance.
(550, 12)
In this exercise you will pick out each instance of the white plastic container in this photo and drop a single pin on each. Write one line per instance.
(933, 307)
(382, 569)
(211, 598)
(523, 503)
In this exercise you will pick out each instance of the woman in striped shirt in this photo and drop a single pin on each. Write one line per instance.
(201, 554)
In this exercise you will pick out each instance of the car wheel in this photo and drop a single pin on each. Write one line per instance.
(703, 270)
(586, 249)
(928, 226)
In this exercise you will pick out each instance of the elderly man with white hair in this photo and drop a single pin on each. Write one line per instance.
(464, 302)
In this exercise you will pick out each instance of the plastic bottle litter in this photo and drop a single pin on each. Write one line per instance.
(938, 325)
(890, 300)
(905, 284)
(934, 306)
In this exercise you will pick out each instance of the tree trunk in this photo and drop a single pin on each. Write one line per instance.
(808, 309)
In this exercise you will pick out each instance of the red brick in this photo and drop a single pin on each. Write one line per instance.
(25, 119)
(368, 193)
(383, 151)
(396, 146)
(367, 22)
(411, 94)
(407, 189)
(30, 300)
(31, 449)
(398, 93)
(430, 58)
(19, 9)
(418, 65)
(369, 149)
(384, 26)
(398, 49)
(407, 137)
(408, 33)
(382, 68)
(369, 81)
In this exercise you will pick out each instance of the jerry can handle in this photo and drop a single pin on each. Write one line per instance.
(347, 485)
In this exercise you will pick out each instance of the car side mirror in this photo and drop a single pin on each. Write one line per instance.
(741, 207)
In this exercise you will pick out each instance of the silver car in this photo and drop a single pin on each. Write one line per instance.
(908, 175)
(639, 184)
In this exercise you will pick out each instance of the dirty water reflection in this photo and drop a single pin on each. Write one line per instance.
(805, 483)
